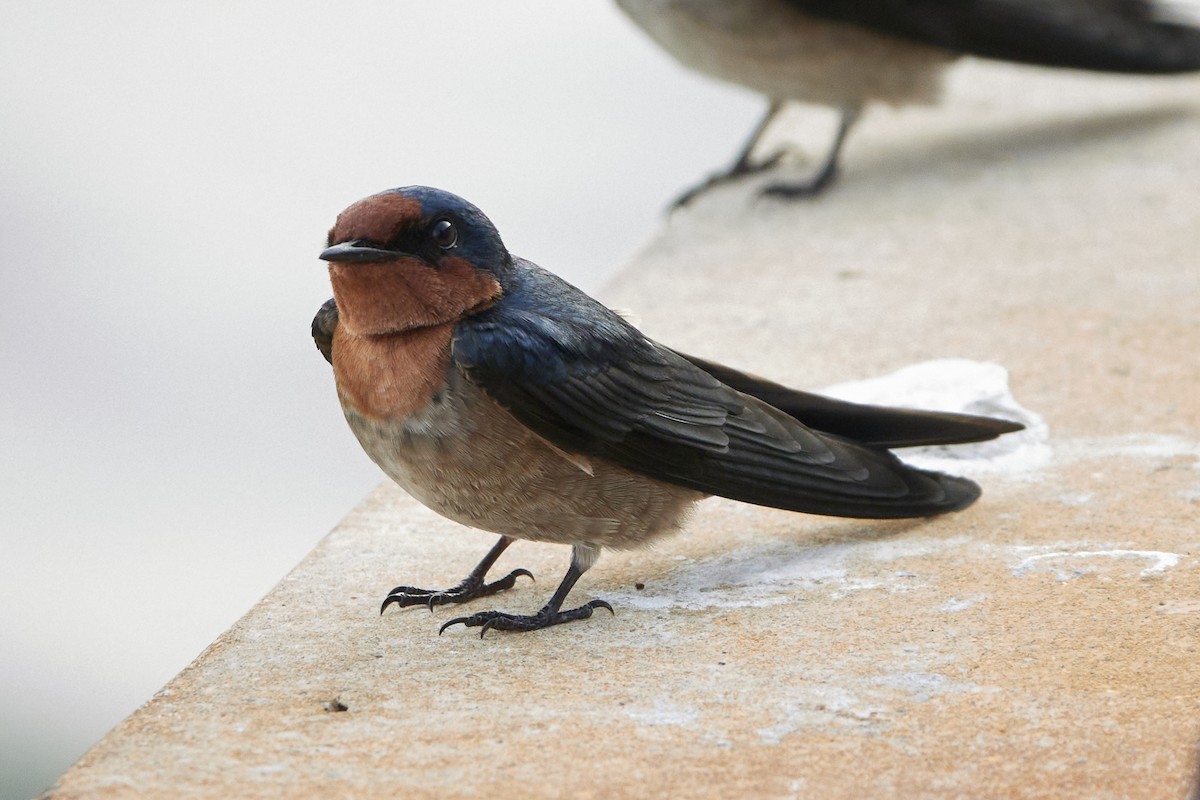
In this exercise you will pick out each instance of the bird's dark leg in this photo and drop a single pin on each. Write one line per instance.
(744, 165)
(829, 170)
(583, 555)
(471, 586)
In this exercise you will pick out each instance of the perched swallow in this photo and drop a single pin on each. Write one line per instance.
(846, 53)
(508, 400)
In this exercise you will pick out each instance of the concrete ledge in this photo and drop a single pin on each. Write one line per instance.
(1046, 642)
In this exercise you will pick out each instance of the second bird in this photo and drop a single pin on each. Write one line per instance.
(847, 53)
(508, 400)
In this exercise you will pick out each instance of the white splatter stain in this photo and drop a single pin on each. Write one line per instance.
(764, 575)
(969, 387)
(772, 573)
(1161, 561)
(961, 603)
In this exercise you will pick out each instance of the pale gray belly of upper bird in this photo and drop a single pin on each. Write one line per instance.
(787, 55)
(468, 459)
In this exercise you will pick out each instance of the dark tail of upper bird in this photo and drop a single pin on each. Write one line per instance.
(1135, 36)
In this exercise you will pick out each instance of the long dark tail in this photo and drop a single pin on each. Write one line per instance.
(876, 426)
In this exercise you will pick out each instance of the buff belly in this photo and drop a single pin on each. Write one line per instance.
(470, 460)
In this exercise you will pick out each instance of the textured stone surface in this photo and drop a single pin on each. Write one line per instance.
(1045, 642)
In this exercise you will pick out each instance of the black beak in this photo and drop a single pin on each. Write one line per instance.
(357, 251)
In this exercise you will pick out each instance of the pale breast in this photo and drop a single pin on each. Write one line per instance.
(470, 460)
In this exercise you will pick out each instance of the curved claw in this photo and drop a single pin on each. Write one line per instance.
(601, 604)
(508, 581)
(387, 601)
(405, 599)
(519, 623)
(471, 588)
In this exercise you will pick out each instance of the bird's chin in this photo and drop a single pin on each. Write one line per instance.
(385, 297)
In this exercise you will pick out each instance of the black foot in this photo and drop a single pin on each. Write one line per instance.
(739, 170)
(487, 620)
(469, 589)
(803, 190)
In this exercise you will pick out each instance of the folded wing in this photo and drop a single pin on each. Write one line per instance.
(588, 382)
(323, 326)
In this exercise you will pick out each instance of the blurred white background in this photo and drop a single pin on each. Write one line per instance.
(171, 440)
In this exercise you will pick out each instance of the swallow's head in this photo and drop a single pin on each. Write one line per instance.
(413, 258)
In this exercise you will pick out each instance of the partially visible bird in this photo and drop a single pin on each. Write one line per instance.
(847, 53)
(505, 399)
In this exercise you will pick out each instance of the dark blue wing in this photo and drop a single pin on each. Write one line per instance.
(1108, 35)
(588, 382)
(323, 326)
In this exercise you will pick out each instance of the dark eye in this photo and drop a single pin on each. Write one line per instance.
(444, 234)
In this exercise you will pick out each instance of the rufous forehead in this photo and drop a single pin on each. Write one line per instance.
(377, 218)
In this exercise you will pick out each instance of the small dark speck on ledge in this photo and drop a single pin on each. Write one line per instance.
(336, 705)
(639, 586)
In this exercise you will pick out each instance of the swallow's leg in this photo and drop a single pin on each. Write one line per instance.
(583, 555)
(471, 586)
(829, 170)
(744, 165)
